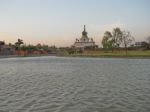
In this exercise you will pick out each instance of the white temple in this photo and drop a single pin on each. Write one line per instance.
(84, 41)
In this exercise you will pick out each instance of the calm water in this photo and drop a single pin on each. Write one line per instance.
(54, 84)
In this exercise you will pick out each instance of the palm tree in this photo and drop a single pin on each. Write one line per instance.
(19, 43)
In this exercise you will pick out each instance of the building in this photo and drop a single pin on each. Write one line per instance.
(84, 41)
(138, 44)
(5, 49)
(141, 44)
(2, 43)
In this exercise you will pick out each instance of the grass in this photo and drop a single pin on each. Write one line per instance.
(137, 53)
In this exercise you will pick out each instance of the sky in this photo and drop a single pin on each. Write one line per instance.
(60, 22)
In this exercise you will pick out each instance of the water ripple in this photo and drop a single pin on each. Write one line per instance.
(53, 84)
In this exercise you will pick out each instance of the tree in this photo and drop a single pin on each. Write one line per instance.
(31, 48)
(112, 40)
(148, 39)
(19, 43)
(117, 37)
(145, 45)
(23, 47)
(107, 40)
(127, 39)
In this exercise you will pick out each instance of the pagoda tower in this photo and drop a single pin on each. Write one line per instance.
(84, 41)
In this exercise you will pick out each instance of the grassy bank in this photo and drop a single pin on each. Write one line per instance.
(132, 54)
(103, 54)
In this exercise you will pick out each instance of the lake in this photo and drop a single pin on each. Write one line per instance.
(63, 84)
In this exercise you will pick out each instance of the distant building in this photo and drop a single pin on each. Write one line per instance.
(138, 44)
(2, 43)
(84, 41)
(141, 44)
(5, 49)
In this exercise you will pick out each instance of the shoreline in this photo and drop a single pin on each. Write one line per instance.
(81, 56)
(22, 56)
(107, 56)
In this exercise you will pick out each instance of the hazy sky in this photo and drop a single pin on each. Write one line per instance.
(59, 22)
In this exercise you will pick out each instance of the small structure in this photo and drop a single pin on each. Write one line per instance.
(138, 44)
(2, 43)
(5, 49)
(84, 41)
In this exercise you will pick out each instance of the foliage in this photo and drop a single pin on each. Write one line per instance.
(18, 43)
(127, 39)
(71, 50)
(148, 40)
(112, 40)
(91, 47)
(131, 53)
(145, 45)
(117, 38)
(107, 40)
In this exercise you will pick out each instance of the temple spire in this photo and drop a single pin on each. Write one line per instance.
(84, 28)
(84, 32)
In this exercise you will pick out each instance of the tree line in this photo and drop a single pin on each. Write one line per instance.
(115, 40)
(121, 39)
(20, 45)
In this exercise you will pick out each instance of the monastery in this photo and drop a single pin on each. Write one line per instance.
(84, 41)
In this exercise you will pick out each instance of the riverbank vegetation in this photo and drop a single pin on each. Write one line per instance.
(116, 53)
(117, 43)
